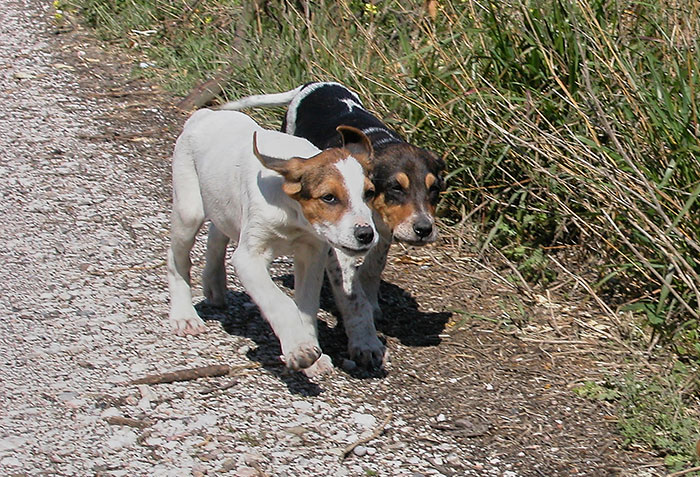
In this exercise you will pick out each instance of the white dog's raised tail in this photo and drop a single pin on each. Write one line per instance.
(262, 100)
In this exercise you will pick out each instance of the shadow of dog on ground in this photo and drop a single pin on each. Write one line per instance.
(400, 319)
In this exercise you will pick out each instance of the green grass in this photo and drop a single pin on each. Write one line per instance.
(566, 125)
(654, 413)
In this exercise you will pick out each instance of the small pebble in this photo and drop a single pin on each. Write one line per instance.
(360, 451)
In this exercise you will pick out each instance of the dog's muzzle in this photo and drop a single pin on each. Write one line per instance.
(364, 234)
(423, 227)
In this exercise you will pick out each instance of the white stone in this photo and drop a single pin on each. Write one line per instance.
(303, 406)
(360, 451)
(204, 421)
(120, 439)
(11, 443)
(11, 461)
(110, 412)
(363, 420)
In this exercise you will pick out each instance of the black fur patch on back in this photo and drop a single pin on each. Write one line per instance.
(330, 105)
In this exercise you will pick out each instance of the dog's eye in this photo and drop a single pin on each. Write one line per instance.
(396, 187)
(329, 199)
(369, 194)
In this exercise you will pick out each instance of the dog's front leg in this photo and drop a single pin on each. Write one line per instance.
(364, 346)
(297, 334)
(308, 278)
(371, 273)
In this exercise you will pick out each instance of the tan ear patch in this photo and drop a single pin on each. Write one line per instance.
(429, 181)
(403, 180)
(291, 188)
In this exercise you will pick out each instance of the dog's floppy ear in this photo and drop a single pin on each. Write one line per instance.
(358, 144)
(438, 162)
(290, 169)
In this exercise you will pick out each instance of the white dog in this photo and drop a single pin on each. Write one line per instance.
(301, 205)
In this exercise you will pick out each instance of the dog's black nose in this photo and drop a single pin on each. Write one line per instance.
(423, 227)
(364, 234)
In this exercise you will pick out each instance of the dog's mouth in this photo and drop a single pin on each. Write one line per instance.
(354, 251)
(416, 242)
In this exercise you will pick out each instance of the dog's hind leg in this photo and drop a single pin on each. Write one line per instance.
(186, 219)
(184, 319)
(214, 277)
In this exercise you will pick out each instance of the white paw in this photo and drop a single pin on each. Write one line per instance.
(322, 366)
(368, 351)
(192, 325)
(302, 357)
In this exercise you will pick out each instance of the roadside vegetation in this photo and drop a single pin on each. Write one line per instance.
(570, 129)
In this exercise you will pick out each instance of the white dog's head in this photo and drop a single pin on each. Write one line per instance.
(333, 190)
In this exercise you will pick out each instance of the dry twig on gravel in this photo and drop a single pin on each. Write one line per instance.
(185, 374)
(376, 433)
(127, 421)
(221, 387)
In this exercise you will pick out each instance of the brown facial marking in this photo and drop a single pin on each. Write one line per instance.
(315, 209)
(430, 180)
(393, 214)
(368, 185)
(403, 180)
(318, 177)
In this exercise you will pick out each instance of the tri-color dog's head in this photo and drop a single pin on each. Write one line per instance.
(408, 180)
(333, 189)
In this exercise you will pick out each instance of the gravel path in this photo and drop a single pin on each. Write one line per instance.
(85, 195)
(84, 301)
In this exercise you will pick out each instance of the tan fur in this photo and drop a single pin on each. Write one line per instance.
(403, 180)
(368, 185)
(429, 180)
(315, 209)
(393, 215)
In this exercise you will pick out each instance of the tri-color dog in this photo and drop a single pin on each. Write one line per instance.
(304, 205)
(407, 180)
